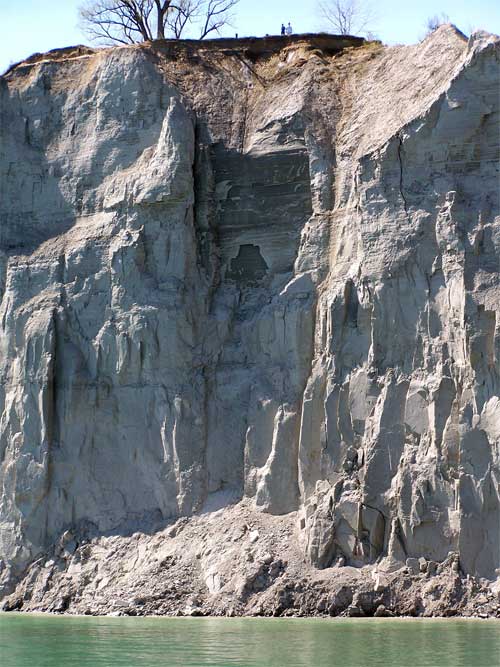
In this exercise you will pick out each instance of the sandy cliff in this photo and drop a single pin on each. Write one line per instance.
(250, 331)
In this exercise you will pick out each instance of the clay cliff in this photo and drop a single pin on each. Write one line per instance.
(250, 332)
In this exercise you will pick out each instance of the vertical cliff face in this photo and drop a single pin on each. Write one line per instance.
(275, 277)
(103, 396)
(406, 369)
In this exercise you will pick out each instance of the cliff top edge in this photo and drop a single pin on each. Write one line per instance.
(252, 47)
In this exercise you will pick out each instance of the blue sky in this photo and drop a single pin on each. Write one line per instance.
(27, 26)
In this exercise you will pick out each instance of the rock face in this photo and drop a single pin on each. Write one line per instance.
(267, 278)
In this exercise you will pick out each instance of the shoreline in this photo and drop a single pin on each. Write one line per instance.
(241, 563)
(50, 614)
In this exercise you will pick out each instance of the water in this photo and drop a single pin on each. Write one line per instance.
(44, 641)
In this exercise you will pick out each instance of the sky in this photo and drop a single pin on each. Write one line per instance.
(29, 26)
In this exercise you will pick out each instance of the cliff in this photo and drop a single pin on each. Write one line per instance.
(250, 332)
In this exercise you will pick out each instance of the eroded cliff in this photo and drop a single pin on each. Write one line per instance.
(255, 288)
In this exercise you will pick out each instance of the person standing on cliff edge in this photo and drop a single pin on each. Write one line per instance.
(289, 30)
(283, 29)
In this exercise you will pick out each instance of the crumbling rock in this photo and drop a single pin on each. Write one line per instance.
(251, 288)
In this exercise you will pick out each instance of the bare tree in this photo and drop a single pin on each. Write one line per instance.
(121, 21)
(433, 22)
(131, 21)
(209, 15)
(216, 15)
(186, 12)
(163, 7)
(346, 17)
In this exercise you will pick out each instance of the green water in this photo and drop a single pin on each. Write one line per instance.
(44, 641)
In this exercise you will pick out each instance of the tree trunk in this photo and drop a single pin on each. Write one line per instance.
(162, 7)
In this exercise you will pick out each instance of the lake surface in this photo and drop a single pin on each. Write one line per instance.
(45, 641)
